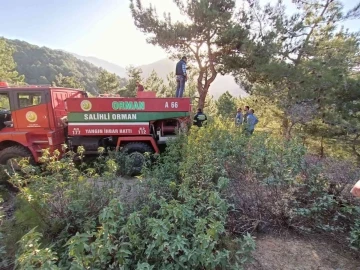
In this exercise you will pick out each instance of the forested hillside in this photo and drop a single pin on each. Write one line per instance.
(41, 65)
(279, 162)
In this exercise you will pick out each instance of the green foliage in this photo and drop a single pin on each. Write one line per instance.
(326, 204)
(108, 83)
(210, 185)
(32, 255)
(25, 218)
(63, 198)
(306, 65)
(41, 65)
(197, 37)
(3, 261)
(177, 235)
(130, 89)
(181, 225)
(265, 110)
(355, 234)
(68, 82)
(7, 65)
(226, 105)
(155, 83)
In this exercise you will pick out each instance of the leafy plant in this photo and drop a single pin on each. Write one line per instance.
(32, 255)
(3, 257)
(179, 222)
(64, 197)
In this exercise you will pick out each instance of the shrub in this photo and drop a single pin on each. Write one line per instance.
(274, 182)
(24, 219)
(208, 187)
(177, 234)
(32, 255)
(324, 202)
(3, 257)
(63, 198)
(178, 223)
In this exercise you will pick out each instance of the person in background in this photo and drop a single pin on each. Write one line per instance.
(239, 117)
(181, 76)
(139, 87)
(246, 110)
(251, 122)
(356, 189)
(199, 118)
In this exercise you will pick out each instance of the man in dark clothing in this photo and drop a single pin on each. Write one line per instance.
(199, 118)
(139, 87)
(246, 113)
(181, 76)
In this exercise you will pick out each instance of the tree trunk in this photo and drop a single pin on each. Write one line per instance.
(202, 90)
(354, 143)
(202, 97)
(322, 152)
(285, 126)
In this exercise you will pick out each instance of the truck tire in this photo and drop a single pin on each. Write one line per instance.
(8, 155)
(136, 150)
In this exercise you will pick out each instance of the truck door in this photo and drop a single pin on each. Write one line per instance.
(31, 109)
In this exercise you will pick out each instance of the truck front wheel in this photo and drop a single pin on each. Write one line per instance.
(136, 151)
(10, 157)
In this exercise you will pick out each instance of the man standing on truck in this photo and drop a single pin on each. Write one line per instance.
(181, 76)
(199, 118)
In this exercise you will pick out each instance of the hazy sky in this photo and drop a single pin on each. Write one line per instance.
(100, 28)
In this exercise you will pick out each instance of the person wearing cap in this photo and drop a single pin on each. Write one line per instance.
(140, 87)
(181, 76)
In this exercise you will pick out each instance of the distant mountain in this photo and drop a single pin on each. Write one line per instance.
(113, 68)
(163, 68)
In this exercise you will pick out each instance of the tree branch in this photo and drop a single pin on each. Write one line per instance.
(301, 52)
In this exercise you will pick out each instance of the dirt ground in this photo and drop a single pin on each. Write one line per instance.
(292, 252)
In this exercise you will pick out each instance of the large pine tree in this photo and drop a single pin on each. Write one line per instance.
(196, 37)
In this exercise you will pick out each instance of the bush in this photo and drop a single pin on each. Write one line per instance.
(24, 219)
(178, 223)
(3, 257)
(324, 203)
(61, 199)
(275, 183)
(207, 189)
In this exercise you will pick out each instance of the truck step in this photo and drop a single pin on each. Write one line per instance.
(40, 142)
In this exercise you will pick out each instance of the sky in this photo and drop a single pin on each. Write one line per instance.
(100, 28)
